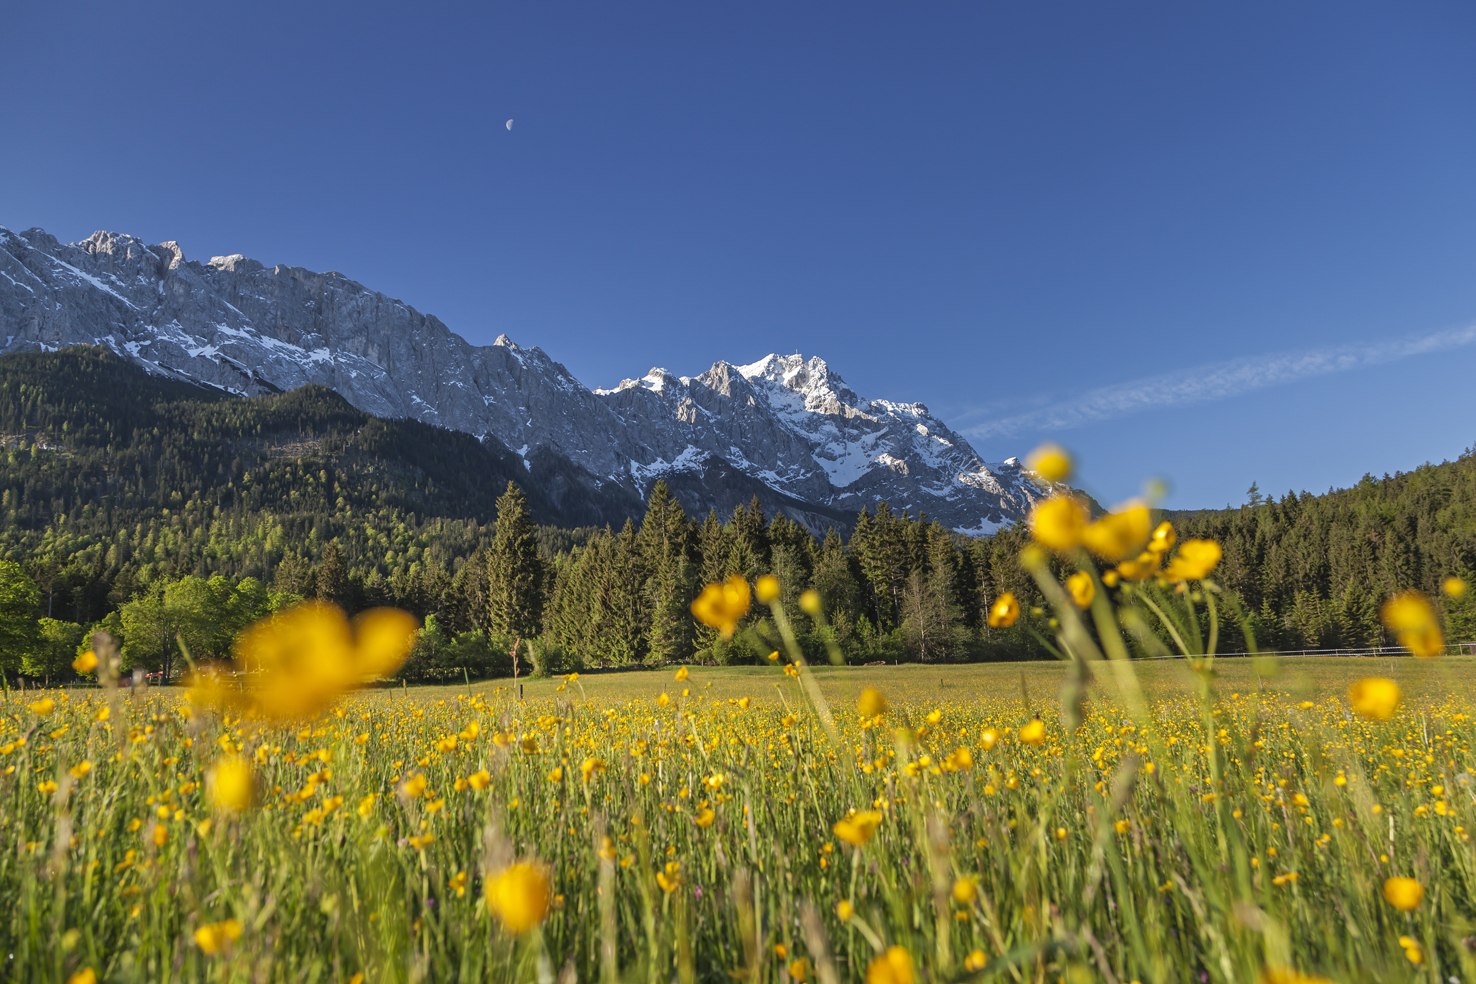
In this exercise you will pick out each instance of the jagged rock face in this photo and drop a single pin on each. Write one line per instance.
(784, 428)
(795, 424)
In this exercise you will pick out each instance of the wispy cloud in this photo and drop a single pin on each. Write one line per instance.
(1202, 384)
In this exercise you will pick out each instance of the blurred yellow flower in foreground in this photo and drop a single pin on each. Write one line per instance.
(1051, 462)
(1140, 568)
(230, 784)
(1453, 587)
(1033, 733)
(1375, 698)
(871, 703)
(1404, 894)
(670, 877)
(296, 663)
(720, 606)
(1194, 561)
(85, 662)
(1058, 522)
(1411, 617)
(1163, 537)
(1081, 589)
(810, 603)
(1286, 975)
(766, 589)
(214, 938)
(892, 967)
(1121, 533)
(519, 896)
(1004, 611)
(858, 828)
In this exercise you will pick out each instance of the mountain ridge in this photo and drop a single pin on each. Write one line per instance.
(788, 429)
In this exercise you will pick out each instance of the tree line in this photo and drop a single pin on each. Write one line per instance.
(1310, 571)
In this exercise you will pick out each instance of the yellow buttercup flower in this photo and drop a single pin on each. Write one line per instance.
(965, 890)
(1051, 462)
(1412, 619)
(1453, 587)
(1163, 537)
(1375, 698)
(1194, 561)
(670, 877)
(383, 638)
(85, 662)
(1140, 568)
(1057, 523)
(682, 674)
(1004, 612)
(858, 827)
(295, 664)
(230, 784)
(1081, 589)
(871, 703)
(895, 966)
(1287, 975)
(1121, 533)
(766, 589)
(810, 603)
(1404, 894)
(844, 910)
(519, 896)
(42, 707)
(720, 606)
(1033, 733)
(215, 938)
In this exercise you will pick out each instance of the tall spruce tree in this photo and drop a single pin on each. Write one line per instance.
(330, 581)
(664, 547)
(514, 569)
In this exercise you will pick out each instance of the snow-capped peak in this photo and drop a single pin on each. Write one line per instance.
(786, 427)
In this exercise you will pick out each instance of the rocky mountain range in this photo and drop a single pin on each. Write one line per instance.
(785, 428)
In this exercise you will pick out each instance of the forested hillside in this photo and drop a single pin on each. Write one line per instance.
(168, 512)
(1314, 568)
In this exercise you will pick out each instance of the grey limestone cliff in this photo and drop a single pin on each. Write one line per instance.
(785, 428)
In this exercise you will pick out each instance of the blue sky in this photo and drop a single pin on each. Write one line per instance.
(1107, 224)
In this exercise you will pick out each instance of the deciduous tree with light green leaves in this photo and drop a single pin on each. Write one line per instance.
(19, 601)
(55, 649)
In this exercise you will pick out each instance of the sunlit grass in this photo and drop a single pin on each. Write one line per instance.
(1103, 853)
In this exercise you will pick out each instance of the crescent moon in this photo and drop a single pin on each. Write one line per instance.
(508, 124)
